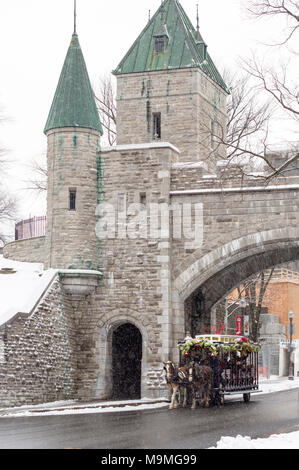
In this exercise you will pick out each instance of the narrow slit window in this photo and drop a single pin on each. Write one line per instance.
(157, 126)
(142, 198)
(121, 202)
(73, 194)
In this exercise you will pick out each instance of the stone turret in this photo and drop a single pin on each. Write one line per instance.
(73, 130)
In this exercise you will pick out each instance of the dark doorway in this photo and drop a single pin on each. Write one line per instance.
(126, 362)
(195, 318)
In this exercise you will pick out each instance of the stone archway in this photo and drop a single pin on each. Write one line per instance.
(126, 362)
(211, 277)
(108, 325)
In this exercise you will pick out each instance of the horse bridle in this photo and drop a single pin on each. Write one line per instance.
(177, 375)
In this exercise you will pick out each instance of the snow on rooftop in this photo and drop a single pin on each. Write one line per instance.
(21, 286)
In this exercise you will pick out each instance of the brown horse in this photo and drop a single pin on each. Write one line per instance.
(177, 380)
(201, 378)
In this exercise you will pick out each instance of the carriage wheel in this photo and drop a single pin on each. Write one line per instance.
(246, 397)
(217, 400)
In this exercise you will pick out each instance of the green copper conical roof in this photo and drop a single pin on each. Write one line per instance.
(74, 104)
(185, 48)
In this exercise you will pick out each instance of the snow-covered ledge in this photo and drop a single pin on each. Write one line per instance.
(190, 165)
(146, 146)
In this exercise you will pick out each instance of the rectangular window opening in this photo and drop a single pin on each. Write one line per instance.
(160, 44)
(121, 202)
(73, 194)
(157, 125)
(142, 198)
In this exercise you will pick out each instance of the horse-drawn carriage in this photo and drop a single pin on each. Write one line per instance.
(213, 366)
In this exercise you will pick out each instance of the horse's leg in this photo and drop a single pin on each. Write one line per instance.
(171, 389)
(201, 394)
(185, 396)
(209, 386)
(193, 397)
(207, 395)
(180, 395)
(175, 402)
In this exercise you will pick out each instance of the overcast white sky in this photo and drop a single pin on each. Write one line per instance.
(34, 38)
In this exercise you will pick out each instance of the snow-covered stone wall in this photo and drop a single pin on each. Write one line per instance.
(36, 354)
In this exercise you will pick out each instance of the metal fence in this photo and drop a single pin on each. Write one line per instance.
(30, 228)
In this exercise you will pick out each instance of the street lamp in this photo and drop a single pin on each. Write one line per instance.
(291, 316)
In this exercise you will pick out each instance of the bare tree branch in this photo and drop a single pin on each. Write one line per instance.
(8, 212)
(254, 292)
(8, 203)
(276, 84)
(287, 9)
(40, 174)
(105, 99)
(245, 134)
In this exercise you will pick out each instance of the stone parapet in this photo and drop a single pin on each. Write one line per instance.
(31, 250)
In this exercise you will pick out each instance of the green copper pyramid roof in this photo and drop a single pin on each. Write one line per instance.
(74, 104)
(184, 49)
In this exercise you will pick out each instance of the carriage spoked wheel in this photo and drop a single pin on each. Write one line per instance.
(246, 397)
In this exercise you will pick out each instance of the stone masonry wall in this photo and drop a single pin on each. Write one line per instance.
(31, 250)
(136, 275)
(188, 102)
(37, 364)
(229, 214)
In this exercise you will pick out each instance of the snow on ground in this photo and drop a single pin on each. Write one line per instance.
(88, 409)
(73, 407)
(274, 384)
(276, 441)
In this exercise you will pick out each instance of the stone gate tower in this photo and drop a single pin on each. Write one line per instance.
(73, 130)
(170, 97)
(169, 90)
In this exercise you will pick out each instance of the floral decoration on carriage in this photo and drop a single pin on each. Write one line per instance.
(212, 346)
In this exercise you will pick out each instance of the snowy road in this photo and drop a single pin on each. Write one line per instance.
(155, 428)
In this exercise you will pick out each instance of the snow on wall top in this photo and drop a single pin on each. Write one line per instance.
(21, 287)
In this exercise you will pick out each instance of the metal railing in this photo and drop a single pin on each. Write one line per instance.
(30, 228)
(284, 275)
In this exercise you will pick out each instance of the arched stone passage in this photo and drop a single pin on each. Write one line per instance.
(231, 276)
(126, 362)
(213, 276)
(107, 327)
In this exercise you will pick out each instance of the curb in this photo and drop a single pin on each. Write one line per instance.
(4, 412)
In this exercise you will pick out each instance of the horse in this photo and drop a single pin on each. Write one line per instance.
(200, 377)
(177, 380)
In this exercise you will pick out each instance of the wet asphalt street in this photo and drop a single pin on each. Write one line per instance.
(156, 428)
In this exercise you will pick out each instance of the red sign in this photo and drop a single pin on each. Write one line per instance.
(239, 325)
